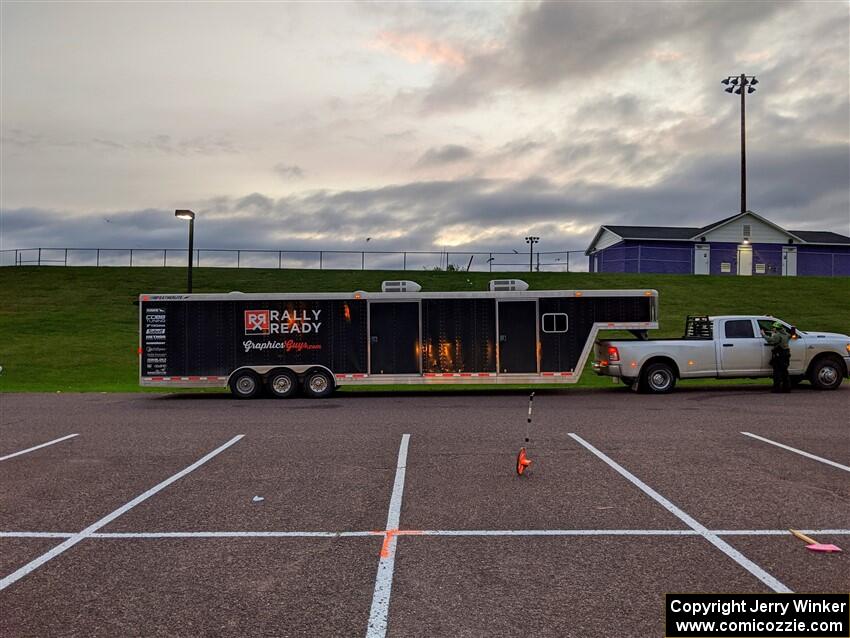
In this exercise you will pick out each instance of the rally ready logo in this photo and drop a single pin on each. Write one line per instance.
(285, 322)
(257, 322)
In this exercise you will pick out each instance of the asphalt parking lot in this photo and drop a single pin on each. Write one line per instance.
(402, 515)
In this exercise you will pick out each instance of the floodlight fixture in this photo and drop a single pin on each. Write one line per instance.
(182, 213)
(737, 84)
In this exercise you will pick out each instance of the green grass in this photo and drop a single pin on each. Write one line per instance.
(75, 329)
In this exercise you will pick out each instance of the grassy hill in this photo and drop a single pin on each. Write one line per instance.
(75, 329)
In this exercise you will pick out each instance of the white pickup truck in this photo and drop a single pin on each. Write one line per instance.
(722, 347)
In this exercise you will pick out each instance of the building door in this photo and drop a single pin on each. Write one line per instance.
(745, 259)
(789, 261)
(702, 259)
(394, 337)
(517, 336)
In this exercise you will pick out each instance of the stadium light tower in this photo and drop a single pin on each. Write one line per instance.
(531, 241)
(741, 85)
(187, 214)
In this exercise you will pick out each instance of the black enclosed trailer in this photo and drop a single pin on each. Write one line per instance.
(316, 342)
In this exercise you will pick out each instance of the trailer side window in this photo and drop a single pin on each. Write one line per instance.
(555, 322)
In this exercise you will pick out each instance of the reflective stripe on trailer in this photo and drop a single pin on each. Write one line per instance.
(458, 374)
(557, 374)
(358, 375)
(193, 378)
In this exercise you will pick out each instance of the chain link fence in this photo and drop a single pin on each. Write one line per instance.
(546, 261)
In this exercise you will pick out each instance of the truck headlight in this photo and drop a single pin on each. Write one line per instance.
(848, 348)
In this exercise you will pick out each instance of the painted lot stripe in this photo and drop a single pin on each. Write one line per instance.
(808, 455)
(688, 520)
(36, 534)
(779, 532)
(88, 531)
(230, 534)
(377, 627)
(38, 447)
(432, 532)
(435, 532)
(558, 532)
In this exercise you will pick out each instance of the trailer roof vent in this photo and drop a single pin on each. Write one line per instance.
(400, 285)
(501, 285)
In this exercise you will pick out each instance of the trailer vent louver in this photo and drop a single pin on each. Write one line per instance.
(400, 285)
(501, 285)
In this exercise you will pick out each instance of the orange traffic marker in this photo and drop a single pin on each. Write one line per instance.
(522, 461)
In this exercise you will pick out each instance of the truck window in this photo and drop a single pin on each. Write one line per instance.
(739, 329)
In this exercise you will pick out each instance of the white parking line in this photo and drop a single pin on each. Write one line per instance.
(88, 531)
(688, 520)
(558, 532)
(38, 447)
(377, 627)
(35, 535)
(808, 455)
(434, 532)
(780, 532)
(270, 534)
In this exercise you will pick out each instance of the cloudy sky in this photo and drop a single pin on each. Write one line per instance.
(433, 125)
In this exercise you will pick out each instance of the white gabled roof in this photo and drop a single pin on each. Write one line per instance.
(724, 222)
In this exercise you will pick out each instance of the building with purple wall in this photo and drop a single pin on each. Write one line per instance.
(744, 244)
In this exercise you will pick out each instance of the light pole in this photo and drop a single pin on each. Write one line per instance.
(741, 85)
(531, 241)
(187, 214)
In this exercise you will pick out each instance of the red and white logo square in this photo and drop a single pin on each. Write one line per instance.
(256, 322)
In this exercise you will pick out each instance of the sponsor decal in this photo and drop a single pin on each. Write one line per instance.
(266, 322)
(290, 345)
(256, 322)
(155, 331)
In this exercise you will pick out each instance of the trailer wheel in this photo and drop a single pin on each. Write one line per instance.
(659, 378)
(245, 384)
(827, 373)
(318, 384)
(282, 384)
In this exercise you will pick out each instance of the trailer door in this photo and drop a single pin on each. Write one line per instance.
(394, 337)
(517, 336)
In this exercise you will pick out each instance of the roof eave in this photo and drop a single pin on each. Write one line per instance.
(592, 248)
(703, 232)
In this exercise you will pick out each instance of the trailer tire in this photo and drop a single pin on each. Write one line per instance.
(827, 373)
(282, 384)
(245, 384)
(318, 384)
(658, 378)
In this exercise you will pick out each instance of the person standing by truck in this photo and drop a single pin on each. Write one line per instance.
(780, 356)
